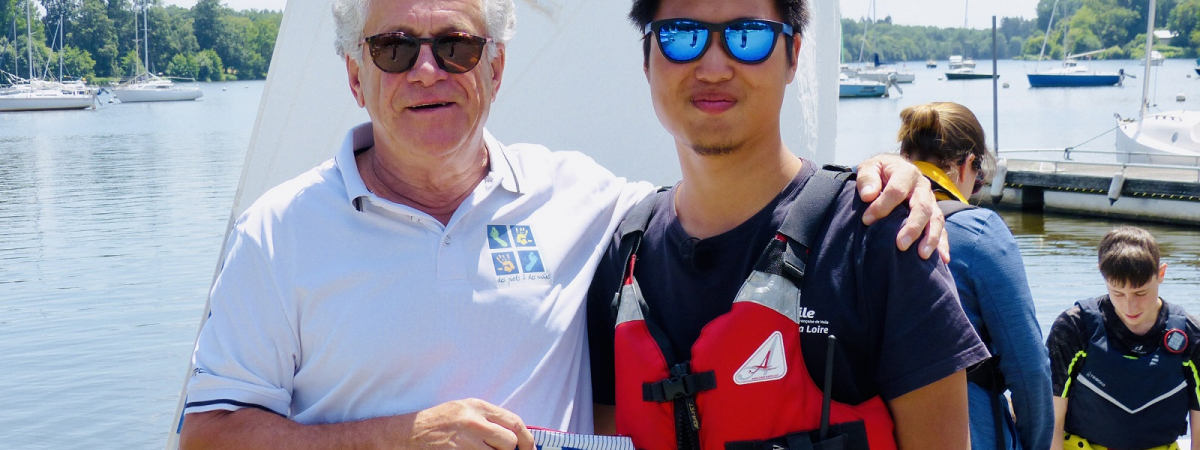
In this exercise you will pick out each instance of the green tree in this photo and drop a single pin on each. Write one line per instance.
(209, 66)
(78, 63)
(1185, 20)
(94, 33)
(131, 63)
(183, 66)
(206, 17)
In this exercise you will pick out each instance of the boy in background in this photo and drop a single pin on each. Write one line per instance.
(1123, 364)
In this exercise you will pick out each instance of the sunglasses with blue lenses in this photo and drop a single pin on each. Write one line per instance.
(749, 41)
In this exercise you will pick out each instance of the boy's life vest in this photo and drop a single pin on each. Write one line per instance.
(746, 386)
(1120, 401)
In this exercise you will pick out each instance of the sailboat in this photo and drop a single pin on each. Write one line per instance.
(146, 87)
(1171, 137)
(1071, 74)
(884, 73)
(33, 94)
(961, 68)
(877, 72)
(548, 87)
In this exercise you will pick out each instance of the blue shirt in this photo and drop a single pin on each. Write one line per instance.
(987, 268)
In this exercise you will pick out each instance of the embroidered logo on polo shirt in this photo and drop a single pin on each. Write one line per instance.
(525, 265)
(766, 364)
(505, 263)
(498, 237)
(523, 236)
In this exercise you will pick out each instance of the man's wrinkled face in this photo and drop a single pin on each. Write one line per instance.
(426, 110)
(716, 104)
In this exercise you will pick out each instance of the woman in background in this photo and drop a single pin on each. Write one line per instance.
(947, 144)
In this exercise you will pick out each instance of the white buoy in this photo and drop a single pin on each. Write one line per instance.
(1180, 97)
(222, 89)
(1006, 85)
(1114, 188)
(998, 180)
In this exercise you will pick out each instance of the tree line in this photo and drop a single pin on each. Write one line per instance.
(101, 40)
(1116, 28)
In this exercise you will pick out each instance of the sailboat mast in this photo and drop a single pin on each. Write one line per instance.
(146, 33)
(1046, 38)
(1146, 78)
(61, 46)
(29, 38)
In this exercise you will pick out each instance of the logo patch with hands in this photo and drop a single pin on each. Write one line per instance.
(516, 256)
(505, 263)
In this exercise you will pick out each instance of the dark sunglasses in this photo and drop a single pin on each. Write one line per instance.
(397, 52)
(749, 41)
(978, 183)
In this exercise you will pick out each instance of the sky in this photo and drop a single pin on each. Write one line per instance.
(940, 13)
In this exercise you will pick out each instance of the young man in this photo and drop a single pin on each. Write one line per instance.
(696, 317)
(1123, 365)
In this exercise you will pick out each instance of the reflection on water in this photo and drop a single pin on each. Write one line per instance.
(1060, 260)
(110, 224)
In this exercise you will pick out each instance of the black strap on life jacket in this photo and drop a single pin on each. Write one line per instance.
(808, 213)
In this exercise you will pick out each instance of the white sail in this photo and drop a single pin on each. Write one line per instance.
(567, 85)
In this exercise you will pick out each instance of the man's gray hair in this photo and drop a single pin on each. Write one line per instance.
(349, 17)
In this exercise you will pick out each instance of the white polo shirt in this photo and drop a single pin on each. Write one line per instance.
(336, 305)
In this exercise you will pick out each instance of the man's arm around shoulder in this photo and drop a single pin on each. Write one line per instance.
(462, 424)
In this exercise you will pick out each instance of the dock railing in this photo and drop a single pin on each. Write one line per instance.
(1067, 164)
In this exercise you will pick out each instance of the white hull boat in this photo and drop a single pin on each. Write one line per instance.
(1171, 138)
(957, 62)
(45, 96)
(882, 76)
(155, 89)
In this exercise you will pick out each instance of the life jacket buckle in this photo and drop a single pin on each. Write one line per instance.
(680, 384)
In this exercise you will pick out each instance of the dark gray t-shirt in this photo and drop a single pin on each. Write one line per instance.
(897, 317)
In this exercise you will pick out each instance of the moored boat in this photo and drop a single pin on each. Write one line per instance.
(1072, 74)
(964, 73)
(859, 88)
(149, 88)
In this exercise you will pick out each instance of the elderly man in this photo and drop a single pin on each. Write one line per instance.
(424, 288)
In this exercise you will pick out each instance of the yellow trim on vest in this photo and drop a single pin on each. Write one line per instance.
(940, 180)
(1195, 377)
(1073, 442)
(1071, 371)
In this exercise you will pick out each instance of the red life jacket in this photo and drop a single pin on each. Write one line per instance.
(746, 386)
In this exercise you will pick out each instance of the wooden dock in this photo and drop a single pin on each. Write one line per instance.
(1148, 193)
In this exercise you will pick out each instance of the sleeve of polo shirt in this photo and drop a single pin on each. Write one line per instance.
(246, 352)
(926, 336)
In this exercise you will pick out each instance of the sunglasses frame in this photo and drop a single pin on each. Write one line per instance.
(433, 42)
(655, 28)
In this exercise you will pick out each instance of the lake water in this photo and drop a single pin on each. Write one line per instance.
(111, 221)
